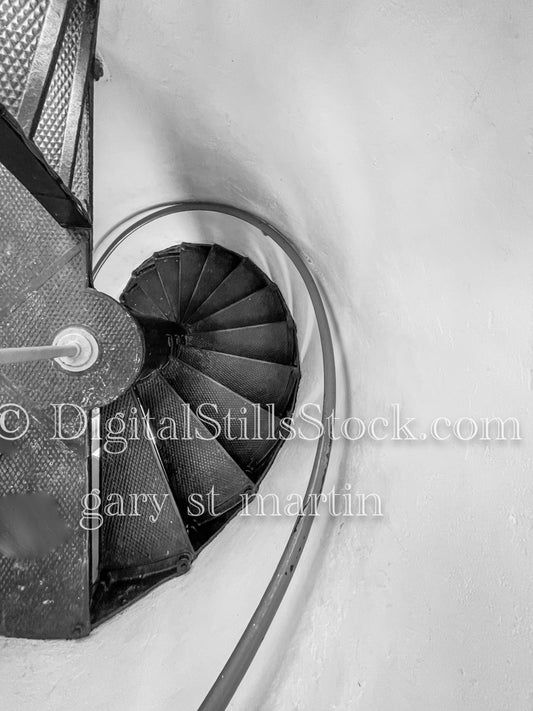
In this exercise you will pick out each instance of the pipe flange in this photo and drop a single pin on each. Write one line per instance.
(87, 349)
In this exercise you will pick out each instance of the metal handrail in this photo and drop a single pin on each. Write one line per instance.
(240, 659)
(26, 354)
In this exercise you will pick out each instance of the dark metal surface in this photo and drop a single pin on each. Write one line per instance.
(215, 474)
(263, 306)
(46, 47)
(168, 268)
(241, 282)
(21, 157)
(133, 546)
(193, 466)
(192, 260)
(271, 341)
(258, 380)
(140, 301)
(219, 263)
(153, 286)
(246, 431)
(45, 596)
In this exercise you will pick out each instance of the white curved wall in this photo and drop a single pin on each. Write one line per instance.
(393, 142)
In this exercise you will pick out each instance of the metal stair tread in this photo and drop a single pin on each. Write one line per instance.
(248, 452)
(263, 306)
(205, 458)
(192, 261)
(231, 367)
(245, 279)
(221, 340)
(218, 264)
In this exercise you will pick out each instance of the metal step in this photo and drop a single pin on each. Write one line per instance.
(194, 466)
(42, 597)
(149, 281)
(46, 52)
(263, 306)
(133, 546)
(246, 430)
(168, 267)
(274, 342)
(244, 280)
(192, 260)
(137, 300)
(258, 380)
(219, 263)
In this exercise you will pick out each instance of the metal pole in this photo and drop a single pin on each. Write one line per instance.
(29, 353)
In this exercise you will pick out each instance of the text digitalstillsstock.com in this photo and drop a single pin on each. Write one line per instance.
(258, 422)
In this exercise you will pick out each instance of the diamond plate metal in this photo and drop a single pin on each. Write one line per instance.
(30, 239)
(21, 22)
(134, 543)
(60, 302)
(43, 284)
(197, 389)
(81, 174)
(50, 133)
(193, 466)
(46, 597)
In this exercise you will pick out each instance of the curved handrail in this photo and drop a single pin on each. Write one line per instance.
(238, 663)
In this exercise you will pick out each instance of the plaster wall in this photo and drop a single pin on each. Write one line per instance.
(392, 142)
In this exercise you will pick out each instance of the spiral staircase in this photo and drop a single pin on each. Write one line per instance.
(201, 338)
(221, 372)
